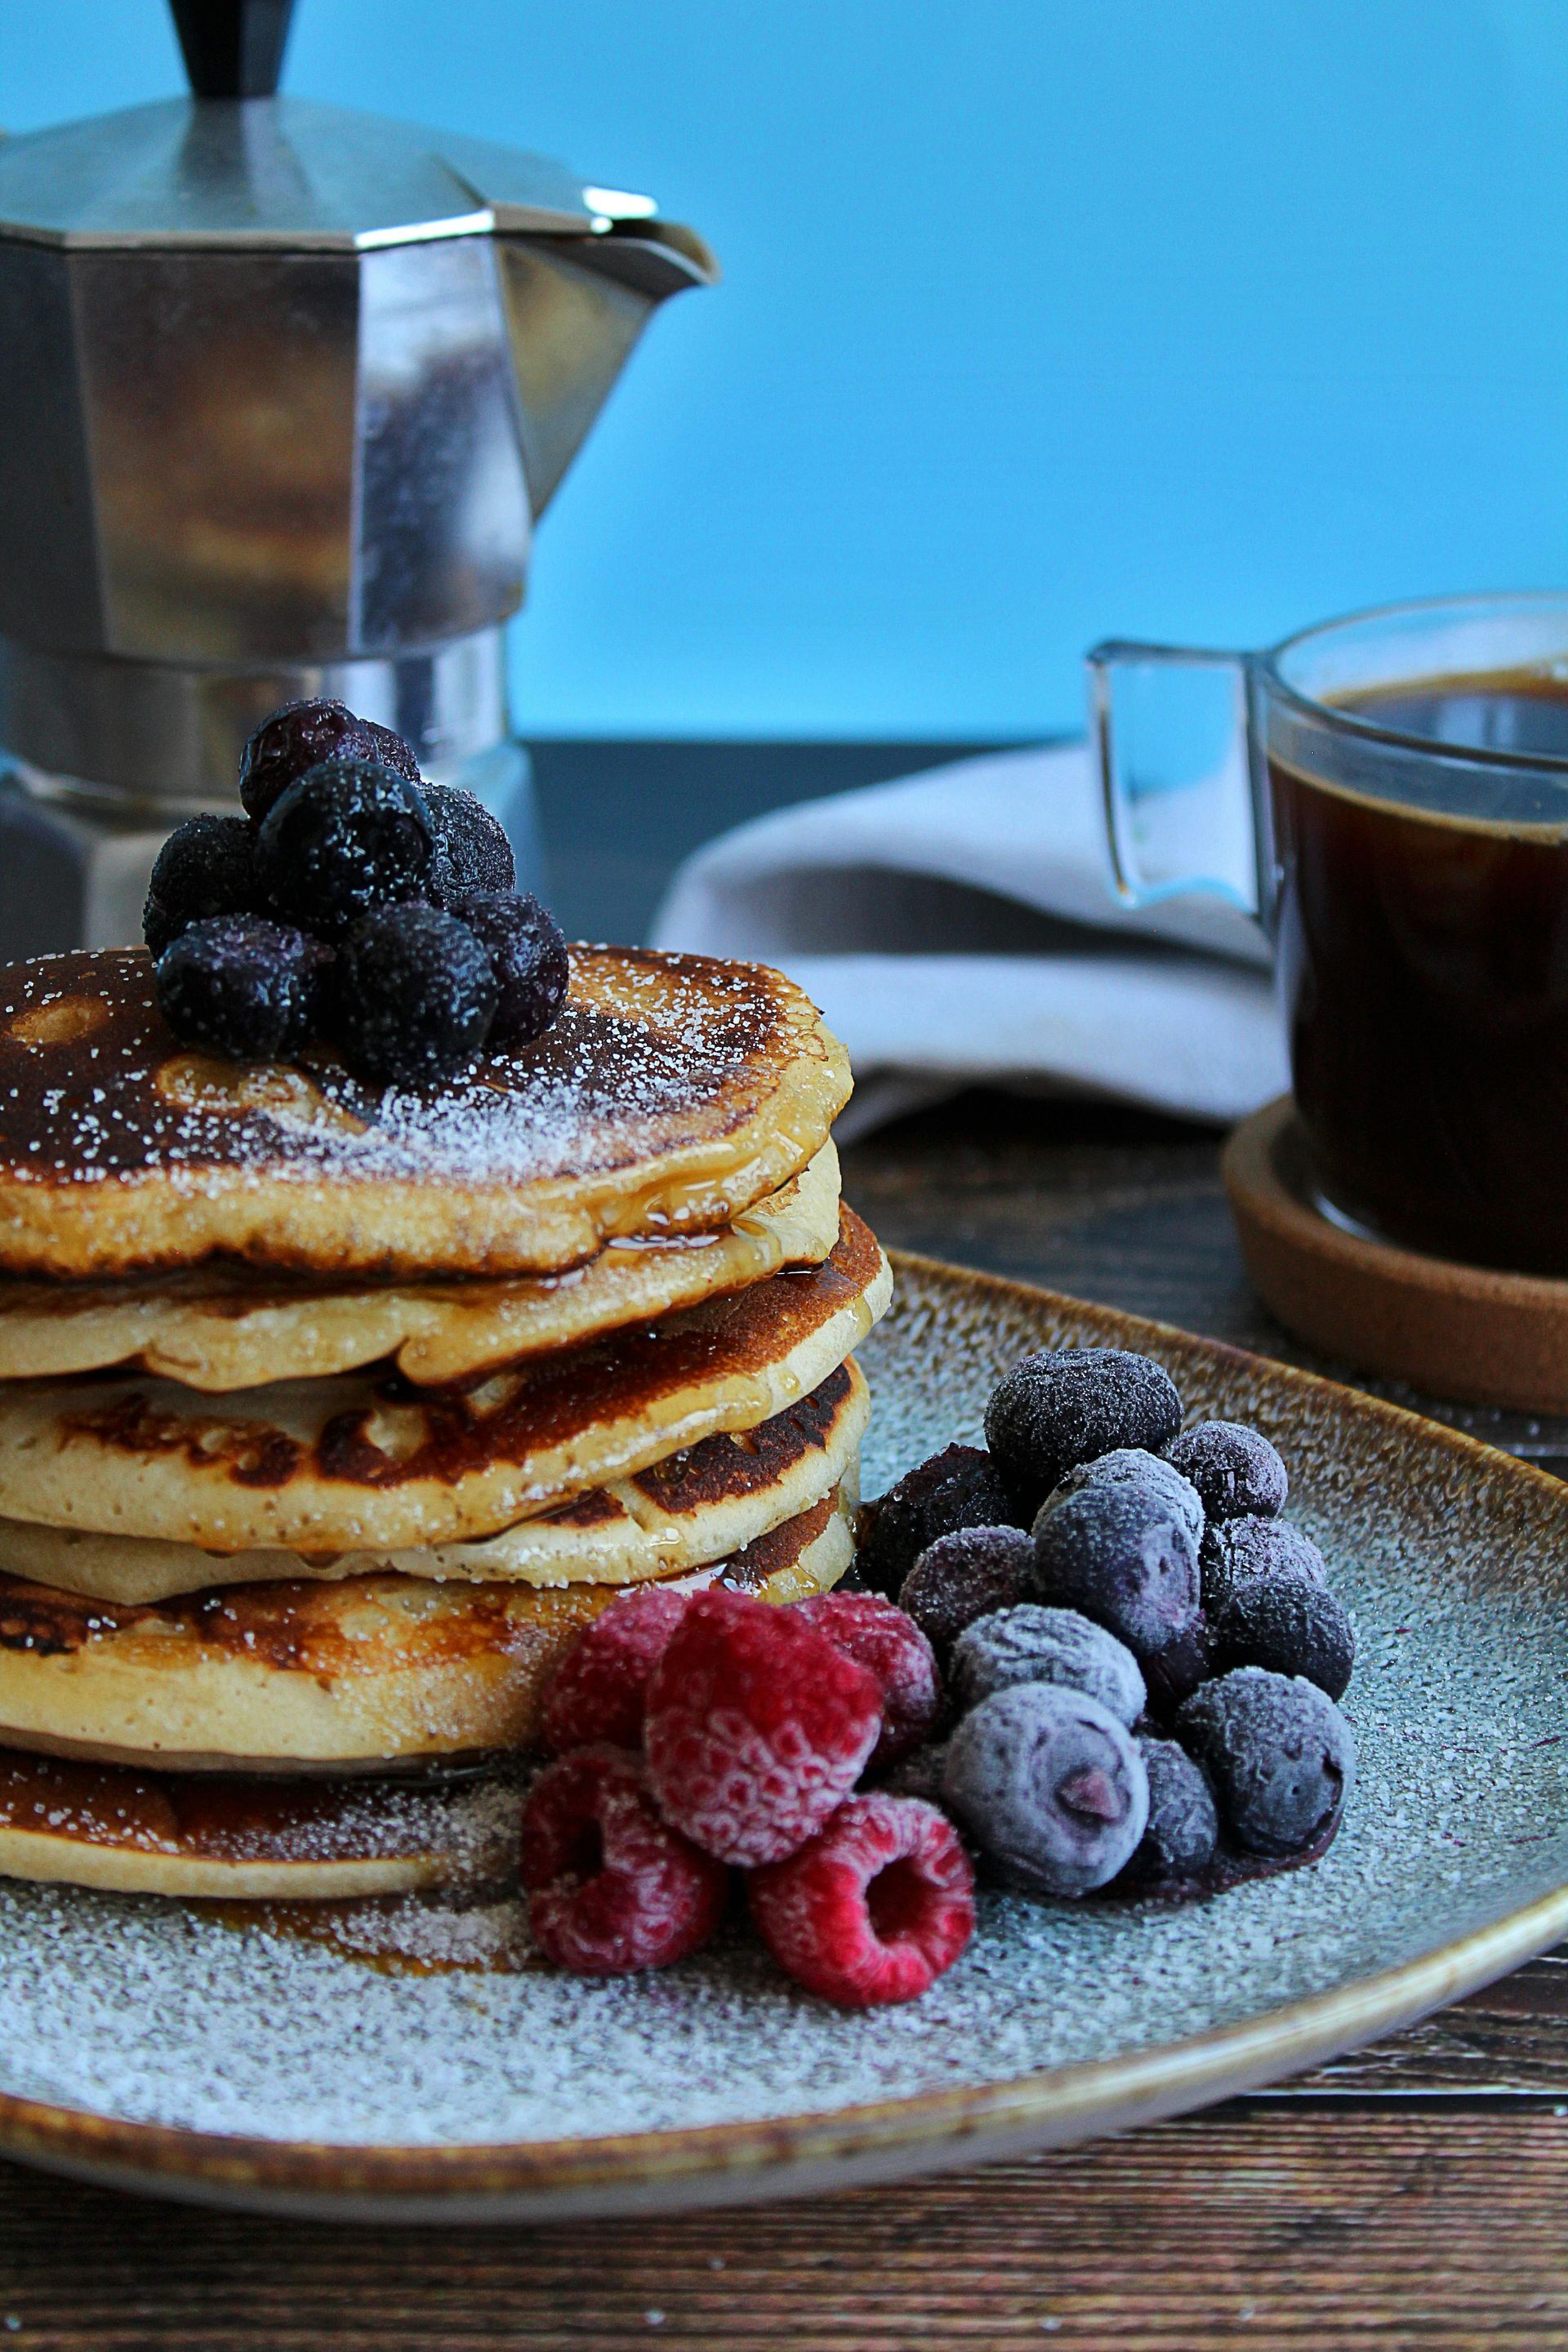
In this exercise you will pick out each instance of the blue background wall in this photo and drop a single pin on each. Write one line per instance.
(1042, 318)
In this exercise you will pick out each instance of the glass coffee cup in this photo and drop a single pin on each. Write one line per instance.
(1387, 795)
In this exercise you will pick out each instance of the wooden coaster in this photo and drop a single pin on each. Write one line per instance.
(1457, 1331)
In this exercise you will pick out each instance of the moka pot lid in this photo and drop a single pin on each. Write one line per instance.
(284, 174)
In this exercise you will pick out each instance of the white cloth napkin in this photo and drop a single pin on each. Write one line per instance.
(960, 926)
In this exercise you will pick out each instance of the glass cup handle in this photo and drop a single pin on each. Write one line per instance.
(1186, 800)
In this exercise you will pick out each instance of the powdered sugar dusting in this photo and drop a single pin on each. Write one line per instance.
(644, 1039)
(1456, 1574)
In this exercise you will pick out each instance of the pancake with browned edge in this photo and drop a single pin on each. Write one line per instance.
(671, 1094)
(134, 1831)
(228, 1326)
(330, 1679)
(364, 1459)
(699, 1504)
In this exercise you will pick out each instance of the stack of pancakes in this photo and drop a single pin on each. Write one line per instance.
(328, 1417)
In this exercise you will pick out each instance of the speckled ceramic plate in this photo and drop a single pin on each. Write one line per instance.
(141, 2045)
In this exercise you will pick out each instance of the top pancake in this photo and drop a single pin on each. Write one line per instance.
(223, 1326)
(671, 1094)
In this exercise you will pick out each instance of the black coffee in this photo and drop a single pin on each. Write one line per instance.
(1424, 965)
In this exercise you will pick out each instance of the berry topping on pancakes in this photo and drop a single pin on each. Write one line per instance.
(476, 855)
(414, 996)
(348, 837)
(243, 987)
(528, 956)
(206, 867)
(300, 737)
(343, 834)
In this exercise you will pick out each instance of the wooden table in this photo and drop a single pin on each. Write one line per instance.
(1416, 2194)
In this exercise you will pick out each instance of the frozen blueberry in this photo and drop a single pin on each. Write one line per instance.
(1132, 1466)
(1279, 1751)
(1065, 1405)
(1122, 1551)
(1184, 1823)
(241, 987)
(348, 837)
(413, 997)
(206, 867)
(475, 855)
(959, 1487)
(1050, 1787)
(1289, 1624)
(528, 956)
(1238, 1550)
(1030, 1644)
(964, 1576)
(1174, 1673)
(1234, 1469)
(300, 737)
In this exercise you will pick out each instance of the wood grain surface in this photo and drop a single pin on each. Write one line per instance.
(1413, 2194)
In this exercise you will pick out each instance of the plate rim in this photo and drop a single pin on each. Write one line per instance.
(815, 2149)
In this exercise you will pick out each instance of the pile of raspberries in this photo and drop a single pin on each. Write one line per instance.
(697, 1736)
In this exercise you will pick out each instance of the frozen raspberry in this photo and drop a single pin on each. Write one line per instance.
(1050, 1787)
(412, 998)
(599, 1691)
(963, 1577)
(1183, 1825)
(1238, 1550)
(874, 1908)
(528, 956)
(474, 853)
(1065, 1405)
(1234, 1469)
(959, 1487)
(1120, 1542)
(300, 737)
(347, 838)
(891, 1646)
(1030, 1644)
(613, 1886)
(1290, 1623)
(206, 867)
(241, 987)
(757, 1727)
(1279, 1751)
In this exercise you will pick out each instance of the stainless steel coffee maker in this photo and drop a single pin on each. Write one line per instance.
(283, 389)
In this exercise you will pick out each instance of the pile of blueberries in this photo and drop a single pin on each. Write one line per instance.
(1142, 1656)
(353, 903)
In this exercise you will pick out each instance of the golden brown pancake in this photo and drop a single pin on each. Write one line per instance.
(202, 1834)
(329, 1678)
(701, 1504)
(672, 1093)
(362, 1460)
(223, 1326)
